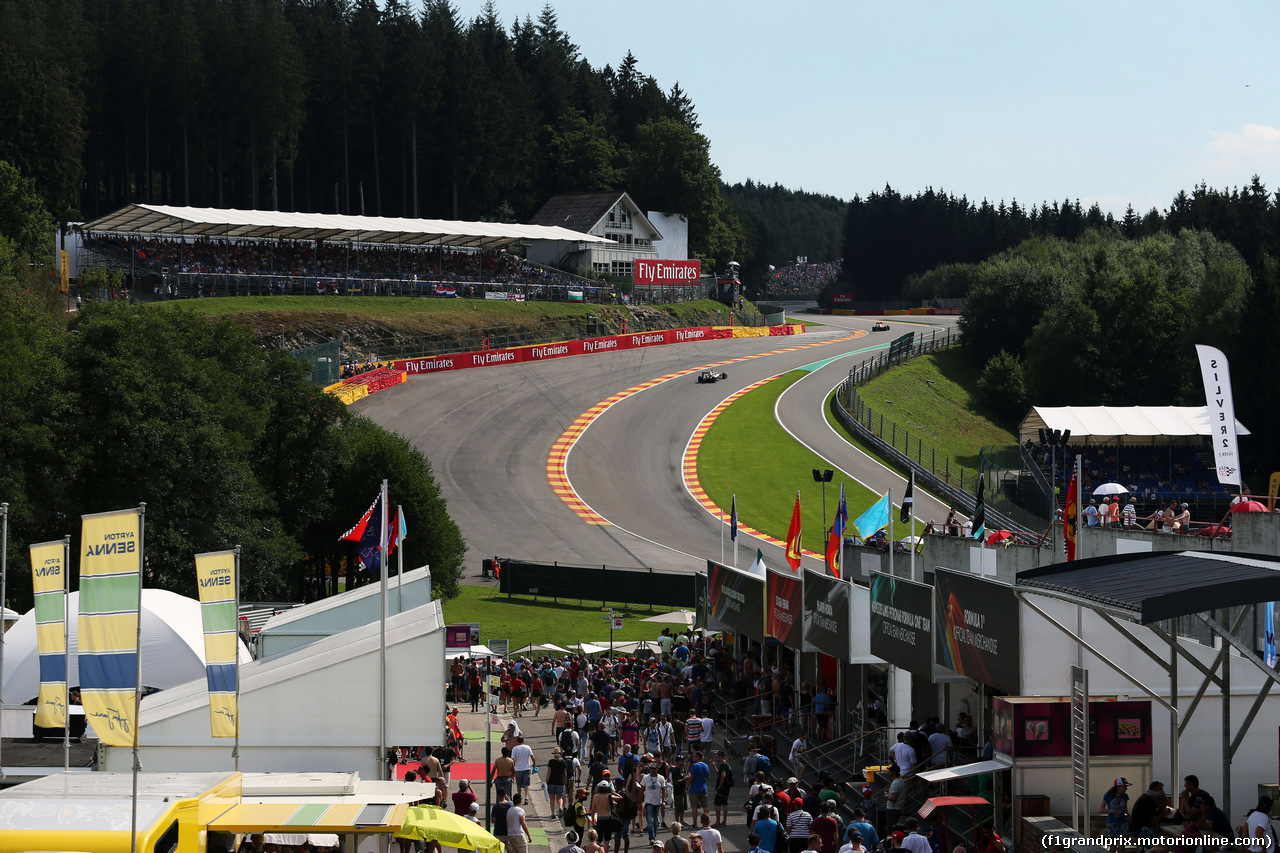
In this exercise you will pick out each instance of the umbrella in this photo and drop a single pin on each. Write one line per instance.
(1214, 530)
(1110, 489)
(431, 823)
(1248, 506)
(999, 536)
(911, 540)
(675, 617)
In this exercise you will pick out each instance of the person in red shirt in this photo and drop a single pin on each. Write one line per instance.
(463, 798)
(826, 827)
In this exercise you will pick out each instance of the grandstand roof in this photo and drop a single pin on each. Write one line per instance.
(163, 220)
(1115, 421)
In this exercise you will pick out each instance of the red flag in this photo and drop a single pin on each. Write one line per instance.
(793, 537)
(1069, 523)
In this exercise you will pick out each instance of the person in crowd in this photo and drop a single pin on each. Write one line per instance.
(463, 798)
(723, 788)
(712, 840)
(557, 780)
(1115, 805)
(503, 776)
(1258, 828)
(797, 826)
(914, 841)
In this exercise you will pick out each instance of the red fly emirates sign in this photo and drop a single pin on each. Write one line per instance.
(667, 272)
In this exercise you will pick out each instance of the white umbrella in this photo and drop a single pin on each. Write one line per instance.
(911, 540)
(1110, 489)
(675, 617)
(588, 649)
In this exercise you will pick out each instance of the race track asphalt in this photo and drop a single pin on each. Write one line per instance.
(488, 433)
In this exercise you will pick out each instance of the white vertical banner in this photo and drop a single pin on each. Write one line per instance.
(1222, 413)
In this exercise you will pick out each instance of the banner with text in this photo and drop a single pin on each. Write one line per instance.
(827, 615)
(902, 623)
(110, 595)
(216, 576)
(48, 582)
(978, 630)
(1222, 414)
(785, 596)
(667, 272)
(736, 599)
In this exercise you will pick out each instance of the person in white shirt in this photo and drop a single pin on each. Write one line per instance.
(915, 842)
(707, 723)
(654, 786)
(903, 754)
(712, 841)
(518, 836)
(522, 755)
(1258, 828)
(854, 844)
(798, 747)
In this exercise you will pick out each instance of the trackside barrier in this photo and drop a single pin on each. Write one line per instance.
(587, 346)
(646, 586)
(361, 386)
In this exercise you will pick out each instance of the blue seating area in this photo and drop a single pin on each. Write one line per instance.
(1149, 473)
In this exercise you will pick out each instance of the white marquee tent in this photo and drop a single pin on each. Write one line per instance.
(172, 221)
(313, 708)
(360, 606)
(172, 646)
(1105, 424)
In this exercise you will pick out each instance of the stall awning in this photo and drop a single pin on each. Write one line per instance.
(311, 817)
(964, 771)
(1115, 421)
(942, 802)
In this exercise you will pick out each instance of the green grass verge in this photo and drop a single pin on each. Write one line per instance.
(748, 453)
(527, 619)
(932, 398)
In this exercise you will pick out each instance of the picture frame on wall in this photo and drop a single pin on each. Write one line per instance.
(1129, 729)
(1037, 729)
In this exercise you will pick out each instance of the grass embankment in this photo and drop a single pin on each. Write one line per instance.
(932, 397)
(748, 453)
(524, 620)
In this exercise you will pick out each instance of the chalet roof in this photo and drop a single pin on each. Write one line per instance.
(582, 211)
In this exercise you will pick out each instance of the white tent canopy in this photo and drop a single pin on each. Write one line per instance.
(1109, 422)
(360, 606)
(536, 648)
(478, 651)
(172, 646)
(313, 708)
(168, 221)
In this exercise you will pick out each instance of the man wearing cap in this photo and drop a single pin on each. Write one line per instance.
(798, 824)
(1091, 513)
(854, 843)
(1183, 519)
(1130, 513)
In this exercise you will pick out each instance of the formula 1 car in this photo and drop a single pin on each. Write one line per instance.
(879, 326)
(711, 376)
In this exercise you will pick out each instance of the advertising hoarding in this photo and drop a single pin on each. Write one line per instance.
(827, 615)
(902, 623)
(667, 272)
(978, 629)
(736, 599)
(785, 604)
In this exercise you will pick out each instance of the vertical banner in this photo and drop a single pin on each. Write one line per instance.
(1073, 515)
(978, 630)
(784, 615)
(48, 582)
(110, 596)
(1222, 413)
(216, 576)
(902, 624)
(827, 621)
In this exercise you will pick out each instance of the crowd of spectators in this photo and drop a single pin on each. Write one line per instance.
(801, 277)
(320, 260)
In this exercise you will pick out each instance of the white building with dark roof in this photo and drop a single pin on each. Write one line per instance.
(612, 215)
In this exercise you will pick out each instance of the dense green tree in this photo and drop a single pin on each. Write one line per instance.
(24, 219)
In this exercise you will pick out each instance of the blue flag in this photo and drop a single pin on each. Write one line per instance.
(1269, 634)
(874, 519)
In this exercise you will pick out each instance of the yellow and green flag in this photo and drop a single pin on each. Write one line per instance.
(48, 581)
(216, 575)
(110, 596)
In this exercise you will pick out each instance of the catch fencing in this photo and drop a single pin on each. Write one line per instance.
(937, 472)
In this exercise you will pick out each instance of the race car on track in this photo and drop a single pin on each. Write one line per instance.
(879, 326)
(711, 376)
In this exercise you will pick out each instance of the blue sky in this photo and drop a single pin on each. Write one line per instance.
(1117, 102)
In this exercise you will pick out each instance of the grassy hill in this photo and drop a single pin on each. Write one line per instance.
(932, 397)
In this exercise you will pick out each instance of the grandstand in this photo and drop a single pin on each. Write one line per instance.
(1157, 453)
(172, 252)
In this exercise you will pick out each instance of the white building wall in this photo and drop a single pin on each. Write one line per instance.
(1048, 656)
(674, 228)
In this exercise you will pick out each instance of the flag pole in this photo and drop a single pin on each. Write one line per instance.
(235, 749)
(66, 654)
(912, 533)
(735, 531)
(137, 684)
(399, 561)
(721, 535)
(890, 496)
(382, 641)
